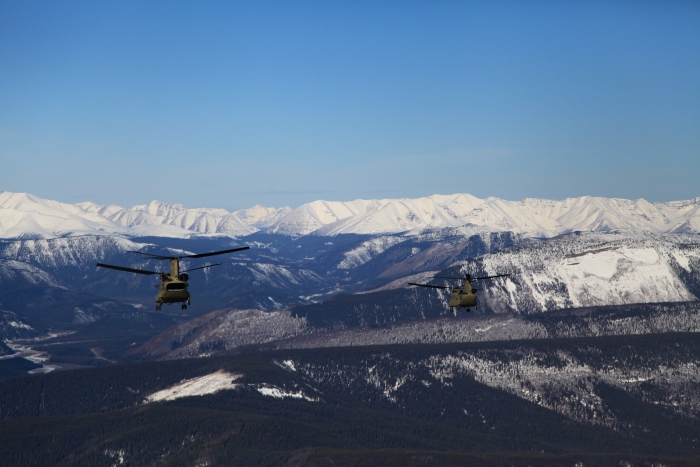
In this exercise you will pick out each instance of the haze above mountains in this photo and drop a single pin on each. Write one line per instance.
(26, 216)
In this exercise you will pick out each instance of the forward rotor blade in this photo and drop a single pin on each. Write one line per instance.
(430, 286)
(203, 267)
(443, 277)
(149, 254)
(489, 277)
(121, 268)
(203, 255)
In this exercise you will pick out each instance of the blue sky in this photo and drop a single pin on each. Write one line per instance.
(230, 104)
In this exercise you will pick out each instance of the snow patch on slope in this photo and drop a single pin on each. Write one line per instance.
(367, 251)
(274, 391)
(11, 271)
(202, 385)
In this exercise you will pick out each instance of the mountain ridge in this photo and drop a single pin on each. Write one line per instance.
(533, 216)
(24, 215)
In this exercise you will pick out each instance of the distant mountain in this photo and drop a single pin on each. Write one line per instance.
(261, 217)
(536, 217)
(26, 216)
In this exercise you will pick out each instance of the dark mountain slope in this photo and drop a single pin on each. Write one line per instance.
(557, 398)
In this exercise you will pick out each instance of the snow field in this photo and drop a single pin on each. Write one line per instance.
(208, 384)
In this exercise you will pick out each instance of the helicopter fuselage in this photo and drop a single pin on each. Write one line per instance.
(461, 298)
(173, 287)
(173, 292)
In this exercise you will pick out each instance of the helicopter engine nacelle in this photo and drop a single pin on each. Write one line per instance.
(184, 277)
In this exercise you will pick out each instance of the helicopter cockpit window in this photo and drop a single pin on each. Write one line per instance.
(176, 286)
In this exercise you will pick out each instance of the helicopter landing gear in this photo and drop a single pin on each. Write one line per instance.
(188, 302)
(184, 306)
(453, 310)
(159, 306)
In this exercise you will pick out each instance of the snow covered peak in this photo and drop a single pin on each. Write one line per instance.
(260, 216)
(532, 216)
(23, 215)
(312, 216)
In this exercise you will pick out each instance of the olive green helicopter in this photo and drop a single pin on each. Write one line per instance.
(173, 286)
(461, 297)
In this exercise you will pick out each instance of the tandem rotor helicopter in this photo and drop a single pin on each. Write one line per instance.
(461, 297)
(173, 286)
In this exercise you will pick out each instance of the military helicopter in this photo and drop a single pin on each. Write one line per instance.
(173, 286)
(464, 297)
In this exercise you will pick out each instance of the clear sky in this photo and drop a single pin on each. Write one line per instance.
(229, 104)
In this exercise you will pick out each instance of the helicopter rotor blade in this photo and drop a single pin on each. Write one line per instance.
(203, 255)
(430, 286)
(489, 277)
(203, 267)
(445, 277)
(149, 254)
(121, 268)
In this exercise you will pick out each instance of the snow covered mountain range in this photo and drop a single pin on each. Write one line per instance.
(536, 217)
(26, 216)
